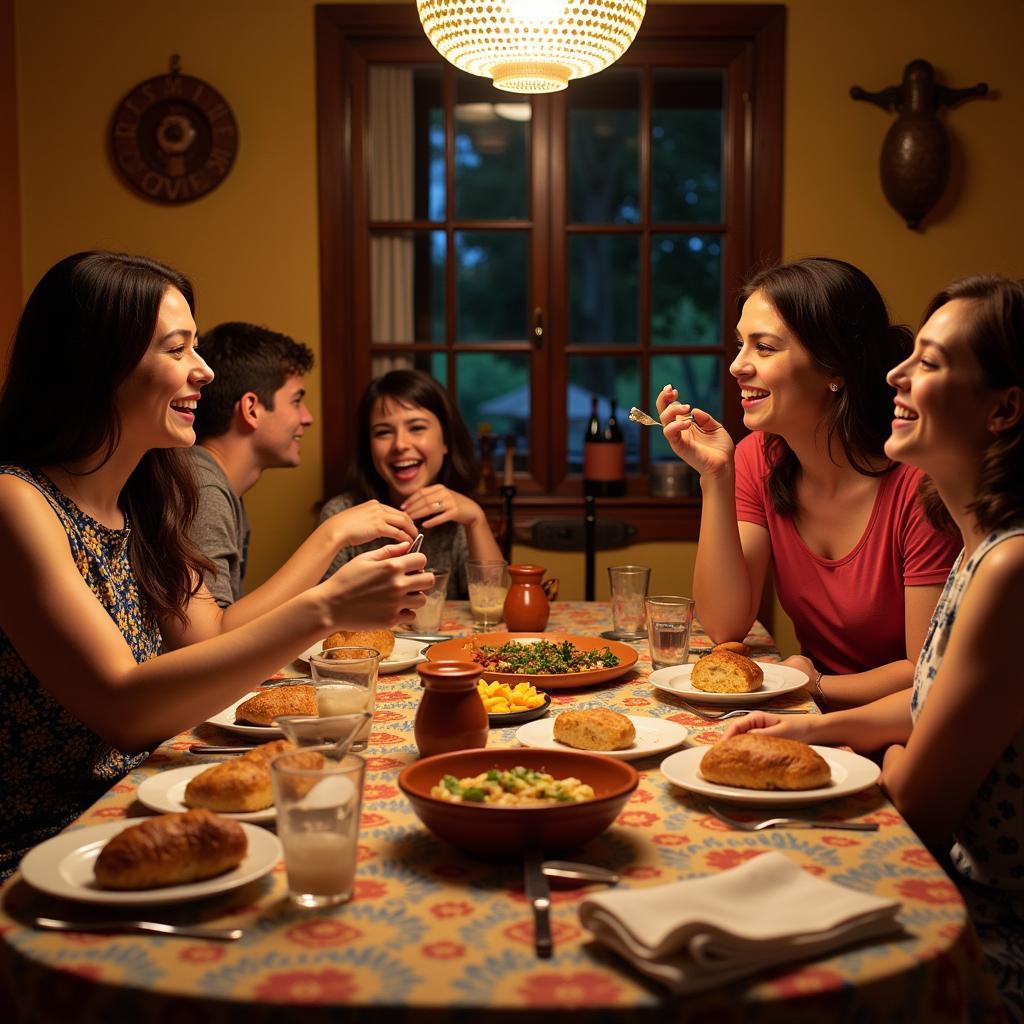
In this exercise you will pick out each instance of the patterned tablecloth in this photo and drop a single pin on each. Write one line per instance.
(433, 934)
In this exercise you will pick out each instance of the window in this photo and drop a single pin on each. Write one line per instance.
(532, 251)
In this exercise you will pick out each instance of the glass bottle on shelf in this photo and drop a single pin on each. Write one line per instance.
(593, 446)
(615, 456)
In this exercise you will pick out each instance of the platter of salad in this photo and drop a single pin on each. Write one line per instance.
(551, 661)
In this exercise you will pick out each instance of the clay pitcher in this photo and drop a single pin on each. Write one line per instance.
(527, 607)
(451, 715)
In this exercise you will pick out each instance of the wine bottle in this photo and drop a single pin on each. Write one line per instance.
(615, 456)
(593, 442)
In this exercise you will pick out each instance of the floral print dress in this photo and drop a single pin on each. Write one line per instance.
(54, 766)
(988, 848)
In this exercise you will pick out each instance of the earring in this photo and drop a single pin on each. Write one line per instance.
(833, 387)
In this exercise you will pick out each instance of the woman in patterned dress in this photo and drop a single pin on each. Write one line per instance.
(954, 766)
(98, 573)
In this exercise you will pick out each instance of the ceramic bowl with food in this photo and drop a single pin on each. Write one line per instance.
(508, 831)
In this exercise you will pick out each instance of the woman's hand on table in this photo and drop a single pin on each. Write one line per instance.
(802, 664)
(436, 504)
(795, 727)
(708, 449)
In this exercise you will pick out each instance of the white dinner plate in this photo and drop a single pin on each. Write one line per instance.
(653, 736)
(63, 866)
(226, 720)
(778, 679)
(850, 774)
(165, 791)
(405, 654)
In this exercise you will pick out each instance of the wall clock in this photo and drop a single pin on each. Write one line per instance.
(174, 137)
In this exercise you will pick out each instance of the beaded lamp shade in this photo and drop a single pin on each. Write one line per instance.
(531, 46)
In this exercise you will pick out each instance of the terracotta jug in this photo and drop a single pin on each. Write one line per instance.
(526, 604)
(451, 715)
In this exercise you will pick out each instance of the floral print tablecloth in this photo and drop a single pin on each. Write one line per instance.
(436, 935)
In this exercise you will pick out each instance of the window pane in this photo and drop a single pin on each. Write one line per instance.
(492, 150)
(406, 121)
(686, 146)
(494, 390)
(698, 381)
(604, 149)
(686, 289)
(607, 377)
(407, 286)
(492, 285)
(604, 289)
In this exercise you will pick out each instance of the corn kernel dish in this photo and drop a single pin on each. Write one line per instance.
(517, 787)
(504, 699)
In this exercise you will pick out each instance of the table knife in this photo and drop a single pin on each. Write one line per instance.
(205, 748)
(539, 895)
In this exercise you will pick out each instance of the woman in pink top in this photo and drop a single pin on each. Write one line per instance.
(857, 565)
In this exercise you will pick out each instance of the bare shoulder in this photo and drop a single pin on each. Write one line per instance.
(1002, 566)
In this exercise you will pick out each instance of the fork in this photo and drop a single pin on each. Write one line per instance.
(645, 419)
(721, 716)
(757, 826)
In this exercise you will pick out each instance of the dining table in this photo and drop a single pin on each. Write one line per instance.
(434, 934)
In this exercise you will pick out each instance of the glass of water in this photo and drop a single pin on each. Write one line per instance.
(669, 621)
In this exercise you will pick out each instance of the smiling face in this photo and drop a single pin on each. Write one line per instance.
(157, 400)
(279, 429)
(782, 390)
(407, 446)
(942, 406)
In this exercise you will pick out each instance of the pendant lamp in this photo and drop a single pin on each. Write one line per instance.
(531, 46)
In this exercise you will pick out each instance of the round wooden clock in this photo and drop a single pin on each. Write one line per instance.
(174, 137)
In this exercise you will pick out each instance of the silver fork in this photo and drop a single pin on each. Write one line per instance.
(647, 420)
(721, 716)
(757, 826)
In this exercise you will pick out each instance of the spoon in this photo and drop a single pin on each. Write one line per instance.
(647, 420)
(573, 871)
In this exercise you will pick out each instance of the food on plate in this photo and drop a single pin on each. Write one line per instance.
(504, 699)
(597, 729)
(726, 672)
(243, 783)
(518, 787)
(382, 640)
(755, 761)
(263, 708)
(171, 849)
(732, 645)
(542, 657)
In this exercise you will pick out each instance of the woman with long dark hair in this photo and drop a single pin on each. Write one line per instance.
(954, 766)
(413, 452)
(810, 492)
(99, 575)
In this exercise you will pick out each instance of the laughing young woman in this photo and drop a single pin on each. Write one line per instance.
(95, 501)
(811, 492)
(413, 452)
(955, 761)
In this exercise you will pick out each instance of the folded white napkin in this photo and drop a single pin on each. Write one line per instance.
(698, 934)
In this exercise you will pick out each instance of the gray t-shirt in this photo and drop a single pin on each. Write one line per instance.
(220, 529)
(445, 546)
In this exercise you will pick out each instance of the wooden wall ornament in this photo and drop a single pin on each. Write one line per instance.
(174, 137)
(915, 157)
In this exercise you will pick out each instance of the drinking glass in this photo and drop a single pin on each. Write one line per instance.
(346, 681)
(339, 731)
(669, 620)
(628, 588)
(488, 584)
(429, 616)
(318, 811)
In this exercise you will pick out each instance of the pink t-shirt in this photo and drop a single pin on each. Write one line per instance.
(848, 612)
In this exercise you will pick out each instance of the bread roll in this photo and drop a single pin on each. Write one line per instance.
(382, 640)
(726, 672)
(264, 707)
(732, 645)
(755, 761)
(598, 729)
(171, 849)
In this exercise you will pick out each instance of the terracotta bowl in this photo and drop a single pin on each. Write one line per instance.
(508, 831)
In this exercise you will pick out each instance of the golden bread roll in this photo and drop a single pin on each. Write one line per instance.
(382, 640)
(732, 645)
(266, 752)
(726, 672)
(171, 849)
(755, 761)
(264, 707)
(598, 729)
(236, 785)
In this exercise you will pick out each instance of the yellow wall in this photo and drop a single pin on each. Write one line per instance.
(252, 244)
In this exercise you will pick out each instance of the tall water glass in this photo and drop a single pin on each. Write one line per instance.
(430, 615)
(319, 801)
(628, 585)
(346, 680)
(669, 621)
(488, 581)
